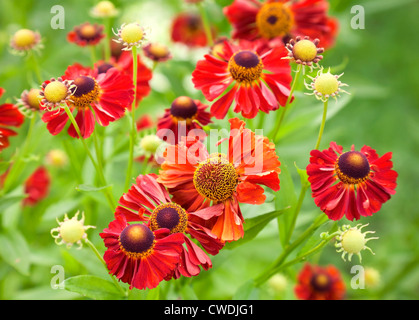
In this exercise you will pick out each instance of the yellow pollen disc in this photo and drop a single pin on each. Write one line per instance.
(305, 50)
(55, 91)
(132, 33)
(33, 98)
(88, 31)
(72, 231)
(215, 178)
(322, 280)
(85, 95)
(159, 50)
(105, 8)
(274, 20)
(217, 49)
(245, 66)
(24, 38)
(353, 241)
(326, 84)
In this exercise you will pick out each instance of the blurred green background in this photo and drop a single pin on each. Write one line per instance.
(380, 67)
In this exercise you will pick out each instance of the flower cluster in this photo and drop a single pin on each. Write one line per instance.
(191, 197)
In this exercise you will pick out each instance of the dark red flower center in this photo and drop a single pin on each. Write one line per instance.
(87, 31)
(183, 107)
(352, 167)
(104, 67)
(320, 282)
(215, 178)
(136, 239)
(245, 66)
(170, 216)
(87, 91)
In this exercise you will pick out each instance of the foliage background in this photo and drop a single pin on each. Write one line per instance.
(379, 65)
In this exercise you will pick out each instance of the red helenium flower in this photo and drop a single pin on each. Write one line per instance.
(37, 186)
(280, 20)
(251, 74)
(86, 34)
(101, 98)
(320, 283)
(138, 256)
(10, 116)
(187, 28)
(351, 184)
(184, 115)
(197, 179)
(147, 200)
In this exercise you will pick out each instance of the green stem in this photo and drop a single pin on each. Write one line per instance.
(107, 39)
(109, 196)
(96, 252)
(36, 68)
(206, 24)
(275, 134)
(287, 251)
(93, 54)
(133, 134)
(322, 124)
(16, 167)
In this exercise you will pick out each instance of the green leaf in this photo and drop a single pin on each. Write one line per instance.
(15, 251)
(188, 293)
(60, 208)
(93, 287)
(303, 176)
(89, 188)
(247, 291)
(253, 226)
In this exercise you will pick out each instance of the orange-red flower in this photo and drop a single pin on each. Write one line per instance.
(249, 73)
(147, 200)
(86, 34)
(197, 179)
(280, 20)
(100, 98)
(320, 283)
(9, 117)
(37, 186)
(352, 183)
(139, 256)
(187, 28)
(124, 64)
(184, 115)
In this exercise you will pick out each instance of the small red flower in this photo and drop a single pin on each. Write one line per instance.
(86, 34)
(9, 117)
(37, 186)
(125, 65)
(100, 98)
(197, 179)
(148, 200)
(352, 183)
(320, 283)
(187, 28)
(251, 74)
(281, 20)
(139, 256)
(184, 115)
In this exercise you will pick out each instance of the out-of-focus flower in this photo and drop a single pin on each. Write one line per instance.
(101, 98)
(29, 102)
(86, 34)
(10, 116)
(352, 241)
(372, 277)
(279, 21)
(157, 52)
(139, 256)
(131, 35)
(163, 213)
(252, 75)
(71, 231)
(37, 186)
(25, 40)
(197, 179)
(352, 183)
(56, 158)
(187, 28)
(320, 283)
(104, 9)
(325, 85)
(184, 115)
